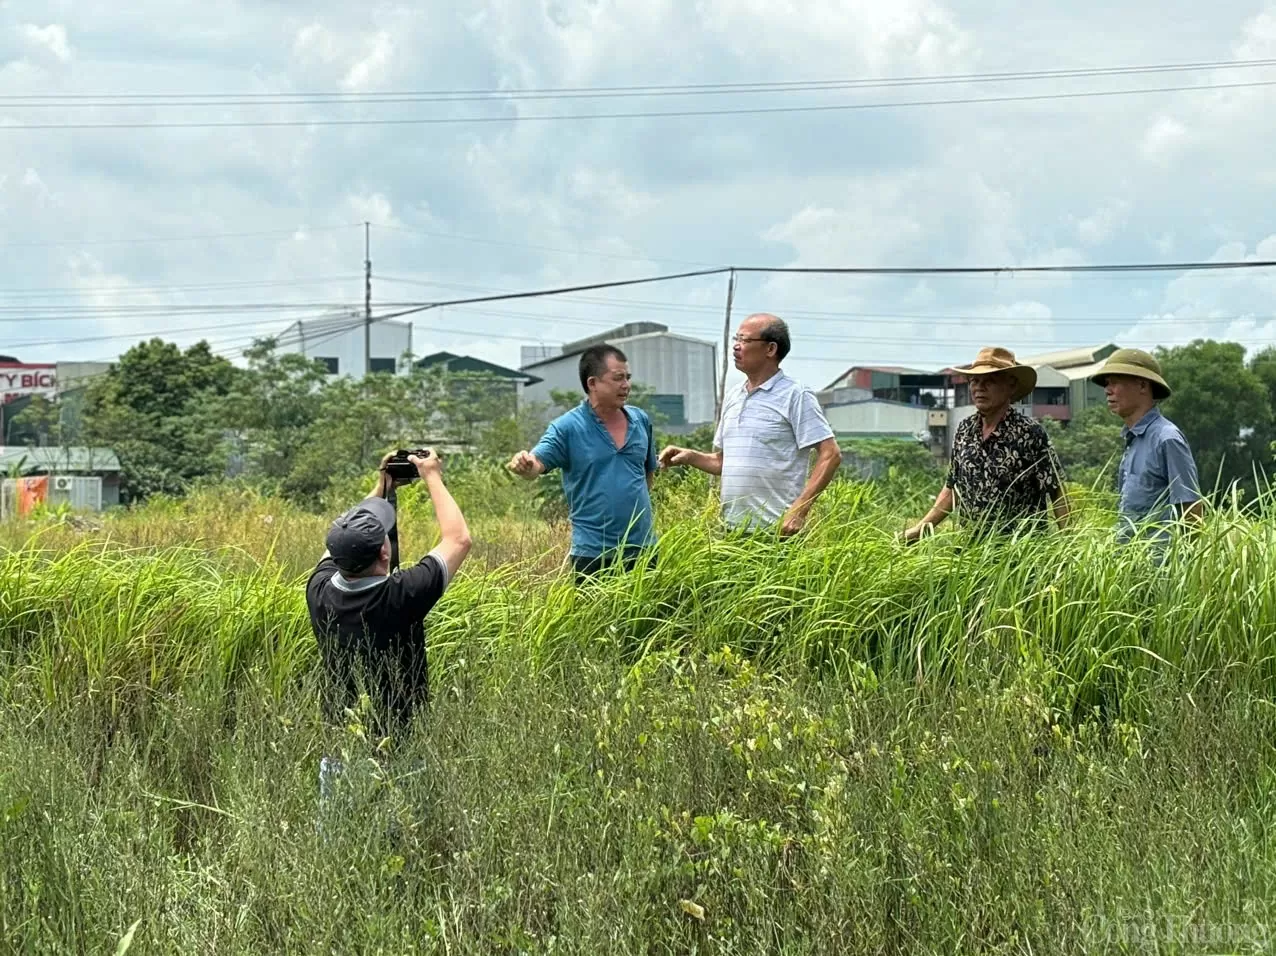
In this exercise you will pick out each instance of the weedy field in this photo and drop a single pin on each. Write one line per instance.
(833, 744)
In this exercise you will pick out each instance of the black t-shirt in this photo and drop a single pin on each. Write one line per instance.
(371, 635)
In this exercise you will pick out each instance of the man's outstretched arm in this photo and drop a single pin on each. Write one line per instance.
(710, 462)
(455, 541)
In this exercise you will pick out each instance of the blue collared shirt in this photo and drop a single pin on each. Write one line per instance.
(1157, 473)
(606, 487)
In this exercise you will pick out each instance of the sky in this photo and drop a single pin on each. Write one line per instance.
(114, 229)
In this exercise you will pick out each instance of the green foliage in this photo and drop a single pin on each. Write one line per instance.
(175, 418)
(157, 409)
(1089, 446)
(834, 745)
(1223, 408)
(887, 458)
(39, 423)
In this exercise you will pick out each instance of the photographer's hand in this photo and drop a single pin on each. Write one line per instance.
(384, 482)
(455, 543)
(430, 465)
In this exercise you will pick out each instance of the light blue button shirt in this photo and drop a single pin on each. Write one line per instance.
(605, 486)
(1157, 473)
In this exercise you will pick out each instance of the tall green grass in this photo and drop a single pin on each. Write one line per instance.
(826, 745)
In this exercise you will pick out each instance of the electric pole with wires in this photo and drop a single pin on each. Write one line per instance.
(367, 300)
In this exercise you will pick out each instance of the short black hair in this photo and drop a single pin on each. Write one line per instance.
(777, 331)
(593, 362)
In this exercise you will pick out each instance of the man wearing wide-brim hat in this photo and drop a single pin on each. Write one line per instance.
(1004, 473)
(1158, 477)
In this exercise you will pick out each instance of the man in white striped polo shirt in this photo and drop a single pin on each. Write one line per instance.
(768, 428)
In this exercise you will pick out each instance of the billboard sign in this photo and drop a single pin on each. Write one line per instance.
(23, 378)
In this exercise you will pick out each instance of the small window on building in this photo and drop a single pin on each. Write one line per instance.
(330, 364)
(384, 365)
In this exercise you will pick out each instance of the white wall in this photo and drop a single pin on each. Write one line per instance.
(877, 416)
(317, 340)
(668, 364)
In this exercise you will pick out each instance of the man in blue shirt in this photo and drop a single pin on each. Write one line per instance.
(607, 454)
(1157, 481)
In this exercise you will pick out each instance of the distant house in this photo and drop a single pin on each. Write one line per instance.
(84, 478)
(341, 343)
(498, 379)
(893, 401)
(1076, 366)
(889, 401)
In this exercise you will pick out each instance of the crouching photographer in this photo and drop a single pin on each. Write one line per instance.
(368, 615)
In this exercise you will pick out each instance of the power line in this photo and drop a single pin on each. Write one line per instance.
(840, 317)
(55, 291)
(275, 98)
(621, 283)
(647, 305)
(641, 114)
(42, 244)
(140, 334)
(91, 313)
(528, 245)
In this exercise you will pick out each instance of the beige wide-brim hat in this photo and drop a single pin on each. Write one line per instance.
(1137, 364)
(995, 359)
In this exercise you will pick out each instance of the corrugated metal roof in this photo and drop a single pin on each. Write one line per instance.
(57, 459)
(1050, 377)
(618, 341)
(1067, 357)
(1078, 372)
(468, 363)
(885, 369)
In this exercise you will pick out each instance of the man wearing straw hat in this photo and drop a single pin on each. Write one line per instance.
(1158, 474)
(1004, 473)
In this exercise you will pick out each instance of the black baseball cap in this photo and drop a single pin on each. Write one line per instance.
(355, 538)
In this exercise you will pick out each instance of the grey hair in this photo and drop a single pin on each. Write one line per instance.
(777, 330)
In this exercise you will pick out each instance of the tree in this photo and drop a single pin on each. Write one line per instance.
(270, 413)
(39, 423)
(156, 408)
(1089, 446)
(1263, 364)
(1223, 408)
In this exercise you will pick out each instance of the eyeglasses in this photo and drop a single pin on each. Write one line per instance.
(740, 339)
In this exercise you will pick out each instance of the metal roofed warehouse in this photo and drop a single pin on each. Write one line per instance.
(681, 370)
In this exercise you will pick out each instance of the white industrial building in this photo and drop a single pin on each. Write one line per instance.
(338, 342)
(681, 370)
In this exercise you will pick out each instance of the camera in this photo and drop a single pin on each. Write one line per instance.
(402, 471)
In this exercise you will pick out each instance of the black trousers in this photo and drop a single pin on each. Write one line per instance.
(585, 568)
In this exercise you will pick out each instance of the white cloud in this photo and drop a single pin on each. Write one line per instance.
(1103, 223)
(1119, 179)
(374, 64)
(372, 207)
(365, 60)
(48, 41)
(1163, 140)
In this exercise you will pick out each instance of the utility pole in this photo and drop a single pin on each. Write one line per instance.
(367, 301)
(726, 346)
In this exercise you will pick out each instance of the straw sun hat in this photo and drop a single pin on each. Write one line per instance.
(995, 359)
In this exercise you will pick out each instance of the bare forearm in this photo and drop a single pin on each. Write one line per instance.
(1062, 508)
(942, 507)
(1194, 513)
(710, 462)
(825, 468)
(452, 526)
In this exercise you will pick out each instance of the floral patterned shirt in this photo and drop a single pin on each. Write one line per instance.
(1006, 478)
